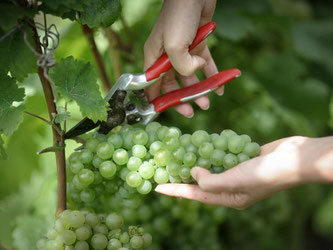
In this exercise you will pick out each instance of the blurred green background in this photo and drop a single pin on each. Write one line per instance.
(284, 49)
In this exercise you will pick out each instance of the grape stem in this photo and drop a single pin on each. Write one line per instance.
(44, 120)
(89, 33)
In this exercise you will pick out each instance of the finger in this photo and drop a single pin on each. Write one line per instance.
(202, 101)
(189, 191)
(214, 182)
(210, 69)
(193, 192)
(169, 83)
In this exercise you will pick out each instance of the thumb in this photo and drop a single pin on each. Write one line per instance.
(212, 182)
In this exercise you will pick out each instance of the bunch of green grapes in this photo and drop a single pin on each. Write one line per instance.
(134, 159)
(83, 230)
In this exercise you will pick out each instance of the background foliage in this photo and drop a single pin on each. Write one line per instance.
(284, 49)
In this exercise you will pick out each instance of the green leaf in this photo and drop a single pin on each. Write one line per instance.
(314, 40)
(62, 115)
(3, 154)
(100, 12)
(76, 80)
(10, 14)
(10, 116)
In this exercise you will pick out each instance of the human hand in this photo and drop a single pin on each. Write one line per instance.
(281, 164)
(173, 33)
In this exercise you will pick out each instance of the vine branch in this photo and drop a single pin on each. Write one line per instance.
(89, 33)
(58, 140)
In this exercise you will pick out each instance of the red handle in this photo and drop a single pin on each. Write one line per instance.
(163, 64)
(179, 96)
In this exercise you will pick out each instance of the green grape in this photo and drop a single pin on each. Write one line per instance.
(140, 137)
(171, 143)
(41, 243)
(125, 129)
(189, 159)
(174, 132)
(161, 176)
(185, 139)
(174, 179)
(120, 156)
(217, 157)
(221, 142)
(76, 219)
(191, 148)
(152, 136)
(214, 136)
(100, 137)
(123, 248)
(105, 150)
(228, 133)
(92, 219)
(81, 245)
(246, 138)
(206, 149)
(133, 179)
(107, 169)
(91, 144)
(87, 195)
(252, 149)
(153, 127)
(162, 132)
(76, 167)
(114, 244)
(155, 146)
(145, 187)
(86, 156)
(114, 221)
(116, 140)
(134, 163)
(96, 161)
(145, 212)
(100, 229)
(139, 151)
(86, 177)
(184, 172)
(83, 233)
(114, 234)
(99, 241)
(69, 248)
(127, 140)
(173, 168)
(61, 225)
(242, 157)
(123, 173)
(75, 156)
(136, 242)
(68, 237)
(146, 170)
(178, 154)
(199, 137)
(162, 157)
(236, 144)
(204, 163)
(52, 234)
(230, 160)
(124, 238)
(97, 178)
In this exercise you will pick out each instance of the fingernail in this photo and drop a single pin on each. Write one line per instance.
(221, 93)
(194, 171)
(158, 188)
(205, 108)
(190, 116)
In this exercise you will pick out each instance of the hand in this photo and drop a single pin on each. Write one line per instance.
(282, 164)
(173, 33)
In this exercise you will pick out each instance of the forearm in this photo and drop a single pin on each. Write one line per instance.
(319, 153)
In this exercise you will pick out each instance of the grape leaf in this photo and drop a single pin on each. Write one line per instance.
(11, 13)
(3, 155)
(10, 116)
(62, 8)
(76, 80)
(101, 12)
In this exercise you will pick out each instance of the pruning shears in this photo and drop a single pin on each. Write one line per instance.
(121, 110)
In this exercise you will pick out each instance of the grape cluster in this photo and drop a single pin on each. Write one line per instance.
(83, 230)
(137, 158)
